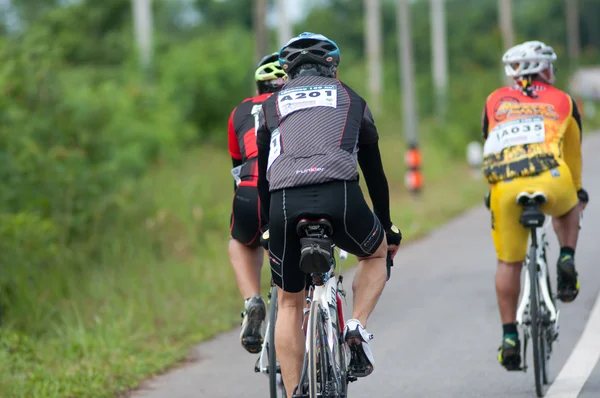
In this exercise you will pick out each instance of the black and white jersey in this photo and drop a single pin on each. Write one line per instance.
(314, 125)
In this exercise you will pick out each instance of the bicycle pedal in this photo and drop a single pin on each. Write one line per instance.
(296, 394)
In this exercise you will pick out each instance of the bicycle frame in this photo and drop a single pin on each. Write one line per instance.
(327, 295)
(263, 361)
(262, 365)
(542, 275)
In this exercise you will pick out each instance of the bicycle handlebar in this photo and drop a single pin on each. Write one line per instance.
(389, 264)
(343, 254)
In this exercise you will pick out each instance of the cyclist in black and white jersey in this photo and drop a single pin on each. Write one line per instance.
(312, 136)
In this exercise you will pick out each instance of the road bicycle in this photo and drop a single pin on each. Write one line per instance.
(323, 284)
(537, 314)
(324, 372)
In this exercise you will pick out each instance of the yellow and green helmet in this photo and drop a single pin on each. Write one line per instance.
(269, 74)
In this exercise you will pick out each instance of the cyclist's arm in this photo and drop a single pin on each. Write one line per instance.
(369, 159)
(234, 146)
(485, 123)
(572, 145)
(263, 141)
(485, 127)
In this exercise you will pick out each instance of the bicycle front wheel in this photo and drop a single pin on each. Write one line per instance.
(537, 329)
(318, 372)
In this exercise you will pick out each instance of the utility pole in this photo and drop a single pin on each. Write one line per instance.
(506, 27)
(284, 28)
(260, 29)
(439, 54)
(573, 41)
(414, 179)
(142, 21)
(373, 49)
(573, 45)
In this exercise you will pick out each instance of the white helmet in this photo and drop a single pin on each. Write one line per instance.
(530, 58)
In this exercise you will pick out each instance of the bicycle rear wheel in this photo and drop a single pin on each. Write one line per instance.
(276, 389)
(537, 329)
(318, 369)
(340, 369)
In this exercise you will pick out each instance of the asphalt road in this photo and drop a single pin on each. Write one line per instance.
(436, 326)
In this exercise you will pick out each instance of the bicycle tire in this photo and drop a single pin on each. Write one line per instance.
(340, 357)
(544, 355)
(534, 307)
(547, 336)
(275, 390)
(317, 359)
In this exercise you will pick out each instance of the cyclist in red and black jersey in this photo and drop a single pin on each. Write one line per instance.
(245, 252)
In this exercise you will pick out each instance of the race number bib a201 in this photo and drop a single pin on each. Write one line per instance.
(275, 150)
(297, 98)
(515, 132)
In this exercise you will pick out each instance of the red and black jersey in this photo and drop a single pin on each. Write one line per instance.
(242, 137)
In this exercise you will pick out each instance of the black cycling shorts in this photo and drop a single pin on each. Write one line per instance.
(356, 229)
(246, 219)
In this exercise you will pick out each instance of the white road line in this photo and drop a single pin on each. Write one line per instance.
(581, 363)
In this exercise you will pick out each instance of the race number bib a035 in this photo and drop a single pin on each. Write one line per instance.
(304, 97)
(515, 132)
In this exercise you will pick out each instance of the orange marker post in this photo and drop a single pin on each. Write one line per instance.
(414, 176)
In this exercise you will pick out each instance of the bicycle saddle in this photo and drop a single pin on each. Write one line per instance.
(316, 253)
(531, 199)
(306, 226)
(532, 216)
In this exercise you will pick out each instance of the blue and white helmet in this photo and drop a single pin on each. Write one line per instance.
(309, 48)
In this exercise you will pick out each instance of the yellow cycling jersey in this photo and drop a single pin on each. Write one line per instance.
(525, 136)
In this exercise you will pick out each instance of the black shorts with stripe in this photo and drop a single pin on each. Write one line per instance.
(246, 219)
(356, 229)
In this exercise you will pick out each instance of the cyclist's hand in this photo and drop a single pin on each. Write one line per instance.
(583, 197)
(264, 238)
(486, 200)
(394, 237)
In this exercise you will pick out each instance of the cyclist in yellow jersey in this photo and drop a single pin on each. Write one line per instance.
(532, 134)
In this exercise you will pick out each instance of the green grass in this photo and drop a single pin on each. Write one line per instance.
(163, 281)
